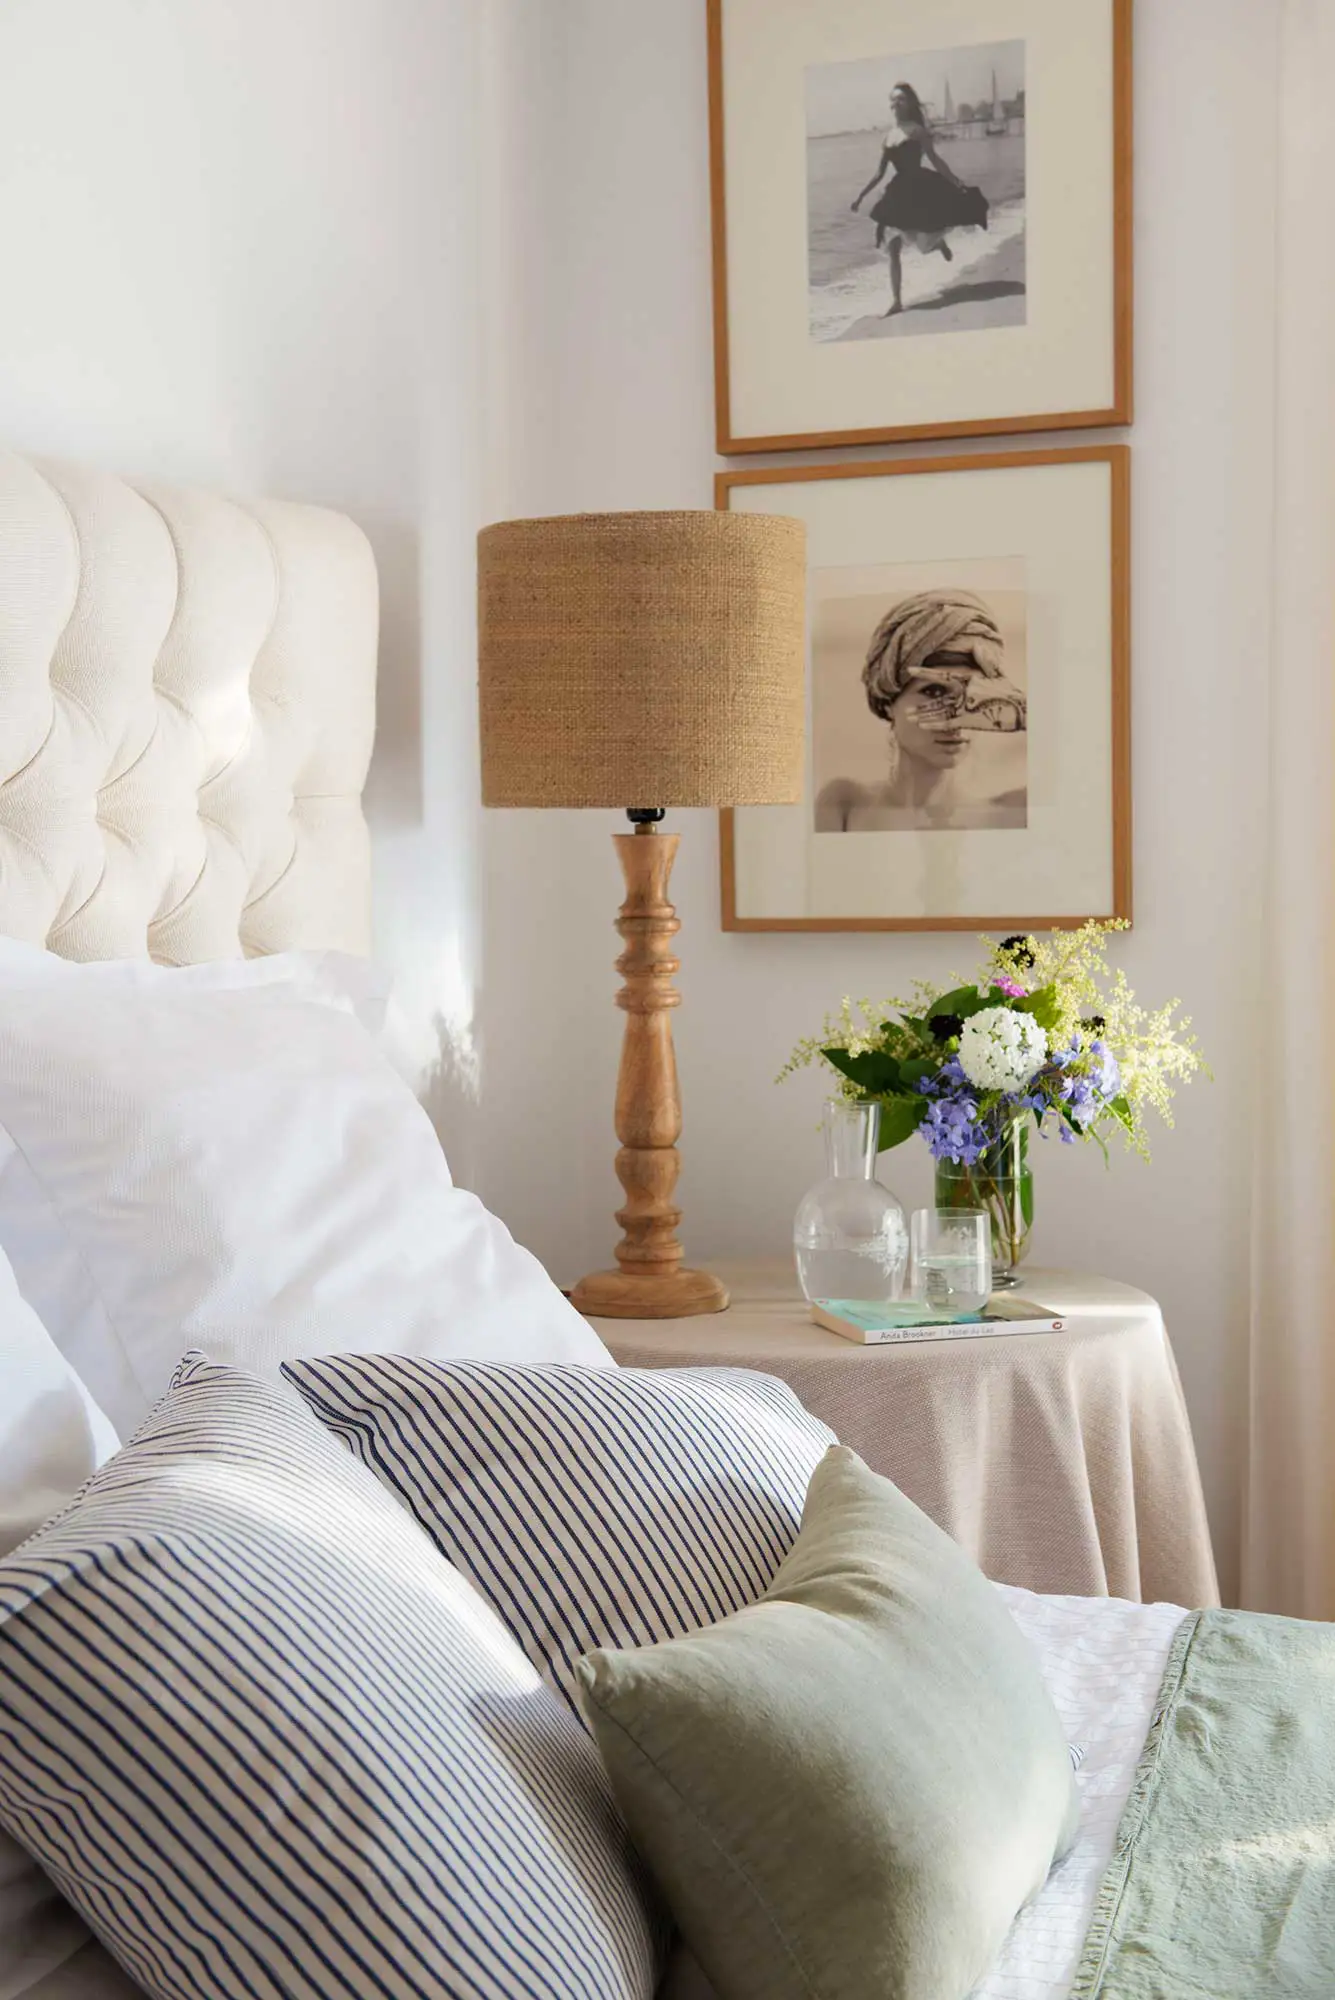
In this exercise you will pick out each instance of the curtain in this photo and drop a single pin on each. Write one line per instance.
(1288, 1543)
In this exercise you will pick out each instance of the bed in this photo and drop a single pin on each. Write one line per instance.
(186, 718)
(1104, 1661)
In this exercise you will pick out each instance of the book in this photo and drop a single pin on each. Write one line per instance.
(879, 1325)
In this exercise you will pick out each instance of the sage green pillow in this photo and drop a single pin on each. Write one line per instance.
(848, 1790)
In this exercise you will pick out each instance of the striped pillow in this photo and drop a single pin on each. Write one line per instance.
(271, 1745)
(592, 1507)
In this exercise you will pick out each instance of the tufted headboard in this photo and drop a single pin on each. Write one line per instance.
(187, 702)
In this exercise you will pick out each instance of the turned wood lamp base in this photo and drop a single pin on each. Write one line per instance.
(650, 1281)
(620, 1294)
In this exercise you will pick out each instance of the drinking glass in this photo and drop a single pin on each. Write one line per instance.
(952, 1259)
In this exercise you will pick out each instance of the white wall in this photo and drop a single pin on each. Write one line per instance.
(618, 273)
(434, 261)
(239, 245)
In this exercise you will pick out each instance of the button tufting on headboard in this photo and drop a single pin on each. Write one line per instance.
(187, 699)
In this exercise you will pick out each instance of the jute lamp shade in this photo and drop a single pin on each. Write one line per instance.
(643, 661)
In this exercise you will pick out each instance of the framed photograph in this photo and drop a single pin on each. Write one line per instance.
(968, 703)
(922, 218)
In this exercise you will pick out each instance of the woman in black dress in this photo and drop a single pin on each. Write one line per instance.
(924, 198)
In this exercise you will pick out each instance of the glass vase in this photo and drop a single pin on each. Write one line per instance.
(1001, 1183)
(850, 1241)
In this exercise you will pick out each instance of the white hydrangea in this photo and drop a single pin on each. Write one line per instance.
(1001, 1049)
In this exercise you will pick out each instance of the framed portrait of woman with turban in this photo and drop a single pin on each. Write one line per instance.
(921, 218)
(968, 698)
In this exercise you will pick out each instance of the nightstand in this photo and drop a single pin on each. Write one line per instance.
(1062, 1462)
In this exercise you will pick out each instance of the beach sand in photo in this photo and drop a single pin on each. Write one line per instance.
(986, 293)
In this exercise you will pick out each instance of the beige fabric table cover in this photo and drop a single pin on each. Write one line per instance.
(1062, 1462)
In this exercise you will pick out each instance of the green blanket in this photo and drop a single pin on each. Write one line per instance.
(1223, 1883)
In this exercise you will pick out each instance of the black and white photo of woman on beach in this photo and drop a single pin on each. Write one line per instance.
(950, 713)
(916, 209)
(924, 198)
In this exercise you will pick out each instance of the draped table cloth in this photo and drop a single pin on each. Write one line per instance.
(1062, 1462)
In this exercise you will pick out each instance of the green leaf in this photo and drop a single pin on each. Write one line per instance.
(900, 1119)
(964, 1001)
(1042, 1005)
(873, 1070)
(915, 1068)
(1122, 1112)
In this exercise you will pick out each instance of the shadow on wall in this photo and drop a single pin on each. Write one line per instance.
(551, 1033)
(423, 863)
(395, 789)
(451, 1091)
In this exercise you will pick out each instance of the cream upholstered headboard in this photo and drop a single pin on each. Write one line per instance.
(187, 700)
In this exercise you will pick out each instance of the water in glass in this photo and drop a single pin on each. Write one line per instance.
(849, 1237)
(952, 1260)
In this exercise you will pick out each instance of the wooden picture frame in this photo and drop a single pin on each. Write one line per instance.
(1108, 569)
(752, 422)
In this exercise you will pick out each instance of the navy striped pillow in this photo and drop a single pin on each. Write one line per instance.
(271, 1745)
(592, 1507)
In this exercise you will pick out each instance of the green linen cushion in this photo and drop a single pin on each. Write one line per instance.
(848, 1790)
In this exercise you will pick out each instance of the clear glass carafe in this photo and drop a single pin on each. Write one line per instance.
(850, 1240)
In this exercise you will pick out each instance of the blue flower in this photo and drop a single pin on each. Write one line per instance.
(949, 1077)
(1107, 1077)
(952, 1131)
(1080, 1098)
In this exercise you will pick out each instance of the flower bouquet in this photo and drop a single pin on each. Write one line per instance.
(1047, 1039)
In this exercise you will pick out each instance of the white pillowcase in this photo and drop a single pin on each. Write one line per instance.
(52, 1434)
(335, 977)
(221, 1158)
(52, 1438)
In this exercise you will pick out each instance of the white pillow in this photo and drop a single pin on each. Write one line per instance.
(52, 1434)
(221, 1158)
(52, 1438)
(332, 976)
(591, 1508)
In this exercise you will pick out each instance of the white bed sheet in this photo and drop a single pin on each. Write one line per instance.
(1103, 1661)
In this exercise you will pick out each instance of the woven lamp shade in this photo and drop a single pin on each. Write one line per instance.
(642, 660)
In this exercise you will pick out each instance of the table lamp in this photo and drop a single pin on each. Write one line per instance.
(643, 661)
